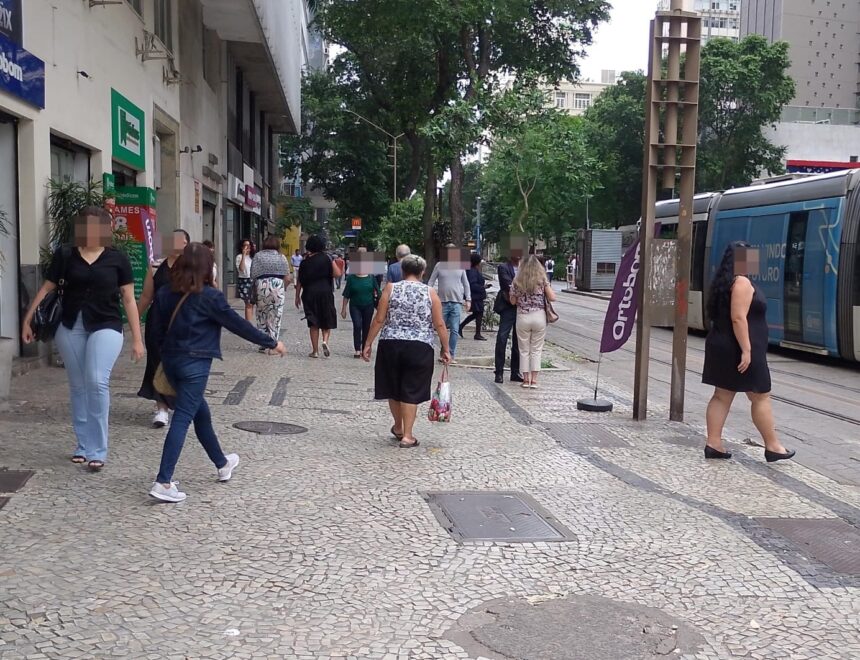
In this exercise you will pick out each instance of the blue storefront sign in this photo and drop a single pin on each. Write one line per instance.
(10, 20)
(22, 74)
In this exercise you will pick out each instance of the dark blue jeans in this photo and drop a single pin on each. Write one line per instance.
(507, 323)
(189, 376)
(361, 318)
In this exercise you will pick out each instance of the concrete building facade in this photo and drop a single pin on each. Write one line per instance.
(720, 18)
(181, 102)
(576, 97)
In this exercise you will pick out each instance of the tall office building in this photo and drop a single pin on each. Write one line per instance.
(824, 36)
(720, 18)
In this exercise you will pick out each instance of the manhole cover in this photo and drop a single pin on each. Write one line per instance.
(559, 627)
(495, 516)
(11, 481)
(270, 428)
(575, 436)
(832, 541)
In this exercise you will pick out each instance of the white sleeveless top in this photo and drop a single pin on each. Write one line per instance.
(410, 315)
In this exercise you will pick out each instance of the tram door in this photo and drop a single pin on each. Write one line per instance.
(805, 262)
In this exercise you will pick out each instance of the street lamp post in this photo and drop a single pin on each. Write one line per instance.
(394, 139)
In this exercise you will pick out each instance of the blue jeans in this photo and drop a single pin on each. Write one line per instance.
(89, 358)
(361, 318)
(189, 376)
(451, 315)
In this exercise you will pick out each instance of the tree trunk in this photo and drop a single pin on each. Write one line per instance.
(416, 159)
(458, 174)
(429, 213)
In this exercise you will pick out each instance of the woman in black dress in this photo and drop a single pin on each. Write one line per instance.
(153, 282)
(315, 291)
(736, 351)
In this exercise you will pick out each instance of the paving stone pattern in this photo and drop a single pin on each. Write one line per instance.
(323, 547)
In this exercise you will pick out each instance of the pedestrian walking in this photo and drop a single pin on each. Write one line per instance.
(454, 292)
(394, 274)
(478, 287)
(341, 265)
(155, 279)
(296, 261)
(188, 317)
(507, 319)
(408, 313)
(361, 293)
(315, 292)
(549, 264)
(530, 292)
(244, 283)
(211, 247)
(736, 351)
(94, 278)
(269, 273)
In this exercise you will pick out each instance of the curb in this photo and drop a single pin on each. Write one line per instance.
(587, 294)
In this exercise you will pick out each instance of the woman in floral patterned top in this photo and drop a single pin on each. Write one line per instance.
(529, 292)
(405, 320)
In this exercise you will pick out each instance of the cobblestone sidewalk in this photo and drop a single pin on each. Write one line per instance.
(323, 545)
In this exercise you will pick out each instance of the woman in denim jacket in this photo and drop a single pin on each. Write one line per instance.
(187, 350)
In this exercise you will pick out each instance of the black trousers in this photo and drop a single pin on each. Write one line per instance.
(477, 316)
(507, 323)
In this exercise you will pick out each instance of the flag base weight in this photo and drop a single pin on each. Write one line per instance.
(594, 405)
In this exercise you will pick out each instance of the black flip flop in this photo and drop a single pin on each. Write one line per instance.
(95, 466)
(399, 436)
(408, 445)
(78, 459)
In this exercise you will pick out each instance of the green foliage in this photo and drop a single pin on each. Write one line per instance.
(744, 87)
(537, 178)
(402, 225)
(296, 212)
(615, 126)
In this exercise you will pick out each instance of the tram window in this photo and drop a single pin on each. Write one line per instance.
(605, 268)
(857, 279)
(697, 274)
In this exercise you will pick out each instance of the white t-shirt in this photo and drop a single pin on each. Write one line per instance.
(243, 266)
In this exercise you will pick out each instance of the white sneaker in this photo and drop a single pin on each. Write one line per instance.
(167, 494)
(226, 472)
(160, 419)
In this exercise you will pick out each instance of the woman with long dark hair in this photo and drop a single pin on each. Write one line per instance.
(188, 317)
(244, 283)
(736, 351)
(315, 292)
(155, 279)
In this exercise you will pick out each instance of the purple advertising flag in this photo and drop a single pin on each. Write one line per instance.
(621, 314)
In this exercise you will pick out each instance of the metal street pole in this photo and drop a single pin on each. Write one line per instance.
(478, 226)
(587, 218)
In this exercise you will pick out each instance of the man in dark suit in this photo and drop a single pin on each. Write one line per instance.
(507, 320)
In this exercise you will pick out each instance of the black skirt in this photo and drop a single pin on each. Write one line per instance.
(403, 371)
(318, 305)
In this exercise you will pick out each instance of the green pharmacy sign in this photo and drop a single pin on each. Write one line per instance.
(128, 128)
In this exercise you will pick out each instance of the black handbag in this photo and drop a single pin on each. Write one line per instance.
(49, 313)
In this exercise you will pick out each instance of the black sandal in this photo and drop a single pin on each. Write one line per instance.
(78, 459)
(408, 445)
(95, 466)
(399, 436)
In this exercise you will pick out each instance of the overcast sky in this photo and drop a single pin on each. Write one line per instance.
(622, 43)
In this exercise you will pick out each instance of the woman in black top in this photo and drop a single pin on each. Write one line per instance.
(96, 277)
(736, 351)
(315, 291)
(478, 288)
(153, 282)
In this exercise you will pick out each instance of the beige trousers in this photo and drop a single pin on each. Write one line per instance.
(531, 333)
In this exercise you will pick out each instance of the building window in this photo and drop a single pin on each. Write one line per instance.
(560, 99)
(164, 22)
(581, 101)
(606, 268)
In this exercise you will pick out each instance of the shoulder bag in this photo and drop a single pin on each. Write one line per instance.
(551, 315)
(49, 313)
(160, 381)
